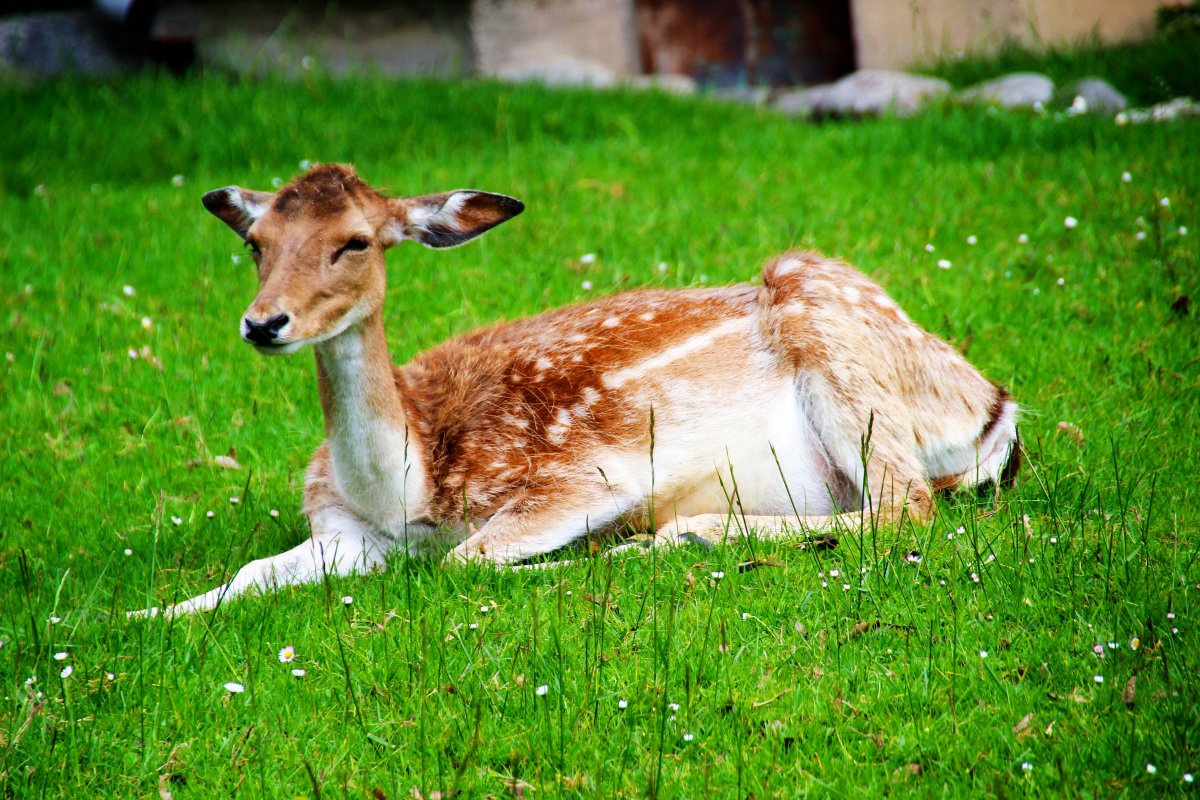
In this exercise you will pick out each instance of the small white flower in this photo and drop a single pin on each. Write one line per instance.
(1037, 291)
(975, 577)
(833, 573)
(209, 514)
(128, 290)
(971, 240)
(1165, 202)
(55, 620)
(1187, 777)
(274, 512)
(298, 672)
(991, 557)
(1170, 615)
(483, 609)
(66, 671)
(717, 575)
(862, 570)
(1023, 238)
(1151, 769)
(1070, 222)
(1026, 766)
(1053, 540)
(673, 706)
(347, 600)
(1140, 236)
(1038, 106)
(133, 353)
(32, 679)
(913, 558)
(233, 687)
(1098, 678)
(929, 248)
(128, 552)
(147, 323)
(306, 165)
(110, 676)
(587, 258)
(287, 654)
(236, 258)
(845, 587)
(61, 656)
(586, 286)
(704, 279)
(960, 529)
(277, 182)
(1126, 177)
(473, 625)
(662, 266)
(177, 520)
(541, 690)
(233, 501)
(622, 704)
(983, 653)
(177, 180)
(687, 737)
(944, 263)
(1079, 105)
(824, 585)
(1113, 645)
(745, 616)
(1183, 230)
(1134, 643)
(1061, 281)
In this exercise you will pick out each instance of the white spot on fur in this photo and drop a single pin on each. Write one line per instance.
(646, 317)
(611, 322)
(850, 293)
(577, 338)
(542, 363)
(788, 267)
(590, 396)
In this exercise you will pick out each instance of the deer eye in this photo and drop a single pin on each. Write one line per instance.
(355, 245)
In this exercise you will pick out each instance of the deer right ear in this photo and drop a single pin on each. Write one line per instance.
(236, 207)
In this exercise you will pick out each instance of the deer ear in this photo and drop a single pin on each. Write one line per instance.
(448, 220)
(236, 207)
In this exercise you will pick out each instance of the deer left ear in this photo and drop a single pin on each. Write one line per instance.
(236, 207)
(451, 219)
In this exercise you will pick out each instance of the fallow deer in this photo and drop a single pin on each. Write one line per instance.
(799, 404)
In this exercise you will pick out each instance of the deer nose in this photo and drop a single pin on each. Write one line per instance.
(263, 332)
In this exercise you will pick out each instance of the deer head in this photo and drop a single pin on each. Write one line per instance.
(319, 243)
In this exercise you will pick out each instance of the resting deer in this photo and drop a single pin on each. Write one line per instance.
(522, 437)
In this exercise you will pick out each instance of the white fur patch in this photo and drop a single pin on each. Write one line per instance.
(615, 380)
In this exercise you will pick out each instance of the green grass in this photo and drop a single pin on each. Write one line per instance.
(786, 682)
(1149, 71)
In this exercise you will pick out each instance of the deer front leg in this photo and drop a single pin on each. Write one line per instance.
(341, 544)
(533, 525)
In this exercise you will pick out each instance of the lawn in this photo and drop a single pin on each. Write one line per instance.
(1042, 646)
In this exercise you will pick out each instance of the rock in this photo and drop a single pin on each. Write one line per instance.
(1163, 112)
(669, 82)
(1018, 90)
(793, 102)
(871, 92)
(1099, 96)
(558, 71)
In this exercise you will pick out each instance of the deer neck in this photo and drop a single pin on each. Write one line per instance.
(375, 462)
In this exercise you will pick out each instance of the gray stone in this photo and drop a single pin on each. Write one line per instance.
(1163, 112)
(793, 102)
(871, 92)
(1099, 96)
(556, 70)
(1018, 90)
(669, 82)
